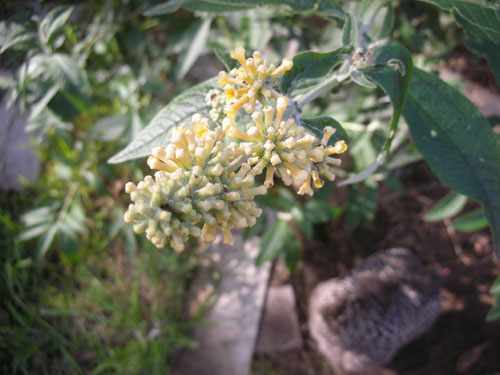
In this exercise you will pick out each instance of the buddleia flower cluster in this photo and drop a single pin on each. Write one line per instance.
(205, 179)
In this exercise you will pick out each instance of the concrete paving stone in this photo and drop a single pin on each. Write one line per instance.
(280, 330)
(17, 157)
(226, 339)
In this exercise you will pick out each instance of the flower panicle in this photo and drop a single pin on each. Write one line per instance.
(198, 183)
(253, 81)
(205, 177)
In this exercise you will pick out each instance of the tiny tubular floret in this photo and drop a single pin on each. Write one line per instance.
(205, 177)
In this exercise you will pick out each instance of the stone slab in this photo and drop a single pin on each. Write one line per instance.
(280, 330)
(17, 157)
(227, 337)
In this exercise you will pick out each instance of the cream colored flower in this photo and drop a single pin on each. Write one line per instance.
(254, 80)
(199, 180)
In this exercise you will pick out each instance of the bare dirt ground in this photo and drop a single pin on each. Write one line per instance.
(460, 342)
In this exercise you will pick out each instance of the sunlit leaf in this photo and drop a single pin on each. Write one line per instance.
(198, 36)
(471, 221)
(157, 132)
(53, 22)
(447, 207)
(14, 36)
(328, 8)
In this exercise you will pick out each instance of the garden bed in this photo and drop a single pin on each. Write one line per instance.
(460, 341)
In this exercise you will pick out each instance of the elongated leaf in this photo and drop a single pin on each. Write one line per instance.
(483, 43)
(45, 241)
(350, 31)
(495, 287)
(481, 21)
(317, 124)
(361, 206)
(457, 142)
(14, 36)
(59, 69)
(226, 59)
(277, 240)
(108, 128)
(157, 132)
(329, 8)
(311, 66)
(391, 70)
(494, 312)
(194, 6)
(33, 231)
(447, 207)
(53, 22)
(195, 48)
(470, 222)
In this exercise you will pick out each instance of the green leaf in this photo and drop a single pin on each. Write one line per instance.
(59, 69)
(309, 67)
(361, 206)
(157, 132)
(328, 8)
(457, 142)
(481, 21)
(53, 22)
(14, 36)
(39, 215)
(226, 59)
(278, 240)
(304, 224)
(494, 312)
(350, 31)
(317, 124)
(484, 41)
(391, 70)
(198, 37)
(384, 29)
(108, 128)
(33, 231)
(193, 6)
(447, 207)
(495, 287)
(45, 242)
(317, 211)
(470, 222)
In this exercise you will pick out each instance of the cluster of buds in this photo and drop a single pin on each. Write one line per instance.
(204, 183)
(253, 81)
(199, 180)
(216, 101)
(282, 147)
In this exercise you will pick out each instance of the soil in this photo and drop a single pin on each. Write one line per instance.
(461, 341)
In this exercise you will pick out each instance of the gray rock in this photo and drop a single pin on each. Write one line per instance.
(362, 320)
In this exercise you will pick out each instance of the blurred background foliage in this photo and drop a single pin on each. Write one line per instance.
(79, 291)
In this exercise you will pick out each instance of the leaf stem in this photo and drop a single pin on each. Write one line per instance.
(330, 83)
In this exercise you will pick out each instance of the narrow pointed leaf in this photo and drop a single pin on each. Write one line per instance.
(470, 222)
(391, 70)
(157, 132)
(447, 207)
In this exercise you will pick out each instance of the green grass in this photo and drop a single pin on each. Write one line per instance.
(112, 312)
